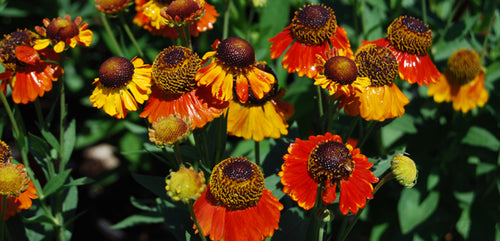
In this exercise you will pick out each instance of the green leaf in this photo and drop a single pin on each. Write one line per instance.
(464, 223)
(136, 219)
(272, 183)
(432, 181)
(55, 183)
(79, 182)
(478, 136)
(69, 141)
(378, 231)
(154, 184)
(50, 138)
(144, 205)
(411, 212)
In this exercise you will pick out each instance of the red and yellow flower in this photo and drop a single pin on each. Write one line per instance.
(339, 74)
(62, 32)
(175, 90)
(234, 61)
(313, 31)
(26, 70)
(111, 6)
(325, 160)
(381, 99)
(121, 85)
(150, 15)
(236, 206)
(409, 40)
(17, 186)
(462, 83)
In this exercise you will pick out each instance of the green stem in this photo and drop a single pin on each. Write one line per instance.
(130, 35)
(62, 117)
(195, 220)
(371, 126)
(109, 31)
(352, 126)
(257, 152)
(2, 221)
(187, 34)
(316, 227)
(482, 54)
(178, 156)
(225, 26)
(39, 114)
(424, 12)
(250, 20)
(346, 232)
(221, 138)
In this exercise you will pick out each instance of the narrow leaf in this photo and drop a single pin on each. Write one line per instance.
(55, 183)
(145, 218)
(69, 141)
(478, 136)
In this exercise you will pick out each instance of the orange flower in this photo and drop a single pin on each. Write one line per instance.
(62, 32)
(462, 83)
(381, 99)
(25, 69)
(410, 40)
(326, 160)
(149, 16)
(236, 206)
(313, 31)
(23, 202)
(175, 90)
(234, 59)
(121, 85)
(181, 12)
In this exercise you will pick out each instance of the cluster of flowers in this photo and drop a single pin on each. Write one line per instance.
(182, 92)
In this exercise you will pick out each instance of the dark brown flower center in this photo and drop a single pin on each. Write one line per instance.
(314, 24)
(341, 70)
(62, 29)
(463, 66)
(410, 35)
(377, 63)
(111, 6)
(116, 72)
(236, 52)
(174, 70)
(236, 183)
(330, 160)
(182, 8)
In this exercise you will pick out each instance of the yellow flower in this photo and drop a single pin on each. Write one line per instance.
(462, 83)
(121, 85)
(62, 32)
(169, 130)
(185, 184)
(404, 170)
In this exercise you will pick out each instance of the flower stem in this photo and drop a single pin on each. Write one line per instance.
(62, 117)
(2, 220)
(195, 220)
(257, 152)
(109, 31)
(177, 150)
(225, 26)
(130, 35)
(346, 232)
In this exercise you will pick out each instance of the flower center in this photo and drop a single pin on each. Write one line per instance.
(182, 8)
(13, 180)
(330, 160)
(410, 35)
(116, 72)
(341, 70)
(174, 70)
(236, 52)
(236, 183)
(168, 130)
(61, 29)
(112, 5)
(463, 66)
(185, 184)
(377, 63)
(4, 152)
(9, 44)
(314, 24)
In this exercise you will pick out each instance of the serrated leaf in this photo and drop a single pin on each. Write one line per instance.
(145, 218)
(478, 136)
(411, 212)
(56, 182)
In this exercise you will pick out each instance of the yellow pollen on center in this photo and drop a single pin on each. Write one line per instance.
(13, 181)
